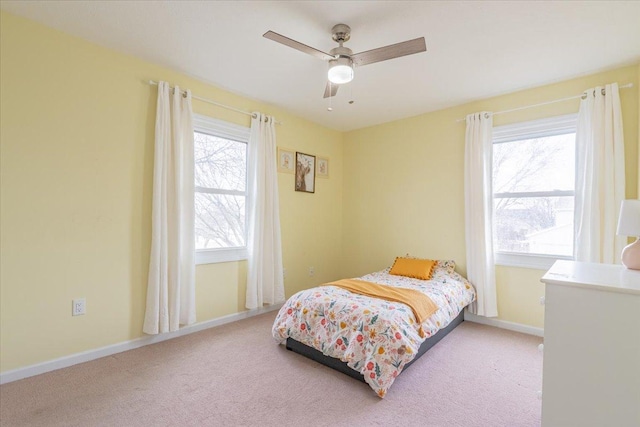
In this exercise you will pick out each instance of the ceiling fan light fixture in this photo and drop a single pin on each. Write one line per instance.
(340, 70)
(341, 59)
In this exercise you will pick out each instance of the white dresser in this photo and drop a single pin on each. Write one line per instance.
(591, 371)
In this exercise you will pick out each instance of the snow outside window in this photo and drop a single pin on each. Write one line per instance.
(533, 191)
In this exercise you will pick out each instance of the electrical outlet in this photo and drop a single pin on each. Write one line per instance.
(284, 273)
(79, 307)
(312, 271)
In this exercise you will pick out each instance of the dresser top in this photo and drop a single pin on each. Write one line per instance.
(606, 277)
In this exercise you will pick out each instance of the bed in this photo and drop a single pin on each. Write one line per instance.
(369, 338)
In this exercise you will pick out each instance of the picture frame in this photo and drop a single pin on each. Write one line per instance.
(322, 167)
(286, 160)
(305, 172)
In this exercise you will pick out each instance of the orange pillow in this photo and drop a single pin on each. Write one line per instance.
(412, 267)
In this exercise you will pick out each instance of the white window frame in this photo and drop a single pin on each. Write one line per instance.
(552, 126)
(222, 129)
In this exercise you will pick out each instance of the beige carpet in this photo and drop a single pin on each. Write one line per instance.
(236, 375)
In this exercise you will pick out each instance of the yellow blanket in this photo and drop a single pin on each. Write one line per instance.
(421, 305)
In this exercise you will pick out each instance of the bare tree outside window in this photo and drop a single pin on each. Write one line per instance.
(220, 198)
(533, 185)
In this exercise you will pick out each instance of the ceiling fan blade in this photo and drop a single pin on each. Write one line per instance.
(297, 45)
(330, 90)
(389, 52)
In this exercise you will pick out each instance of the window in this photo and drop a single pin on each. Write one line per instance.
(220, 171)
(533, 191)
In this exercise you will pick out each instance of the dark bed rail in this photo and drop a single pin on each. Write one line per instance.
(341, 366)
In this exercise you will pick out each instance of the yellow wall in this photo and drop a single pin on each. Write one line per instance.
(76, 149)
(403, 185)
(77, 126)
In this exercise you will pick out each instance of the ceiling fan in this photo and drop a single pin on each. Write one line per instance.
(342, 60)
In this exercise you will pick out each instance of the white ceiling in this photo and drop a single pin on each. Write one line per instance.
(475, 49)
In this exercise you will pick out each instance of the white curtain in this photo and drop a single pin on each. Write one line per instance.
(600, 178)
(265, 283)
(171, 285)
(478, 204)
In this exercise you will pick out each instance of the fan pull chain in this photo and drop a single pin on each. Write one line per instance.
(351, 93)
(330, 108)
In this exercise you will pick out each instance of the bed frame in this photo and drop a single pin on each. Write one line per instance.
(341, 366)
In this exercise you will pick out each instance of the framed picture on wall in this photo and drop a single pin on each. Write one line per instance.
(305, 172)
(322, 167)
(286, 160)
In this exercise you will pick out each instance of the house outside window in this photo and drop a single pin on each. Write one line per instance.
(220, 169)
(533, 191)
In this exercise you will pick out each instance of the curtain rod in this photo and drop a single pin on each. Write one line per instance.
(208, 101)
(583, 95)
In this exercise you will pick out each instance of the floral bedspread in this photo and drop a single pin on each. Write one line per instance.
(375, 337)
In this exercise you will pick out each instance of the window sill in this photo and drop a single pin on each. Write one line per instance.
(214, 256)
(538, 262)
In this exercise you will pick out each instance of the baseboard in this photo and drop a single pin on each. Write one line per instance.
(504, 324)
(86, 356)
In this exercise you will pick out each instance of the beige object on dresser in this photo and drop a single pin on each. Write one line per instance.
(591, 371)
